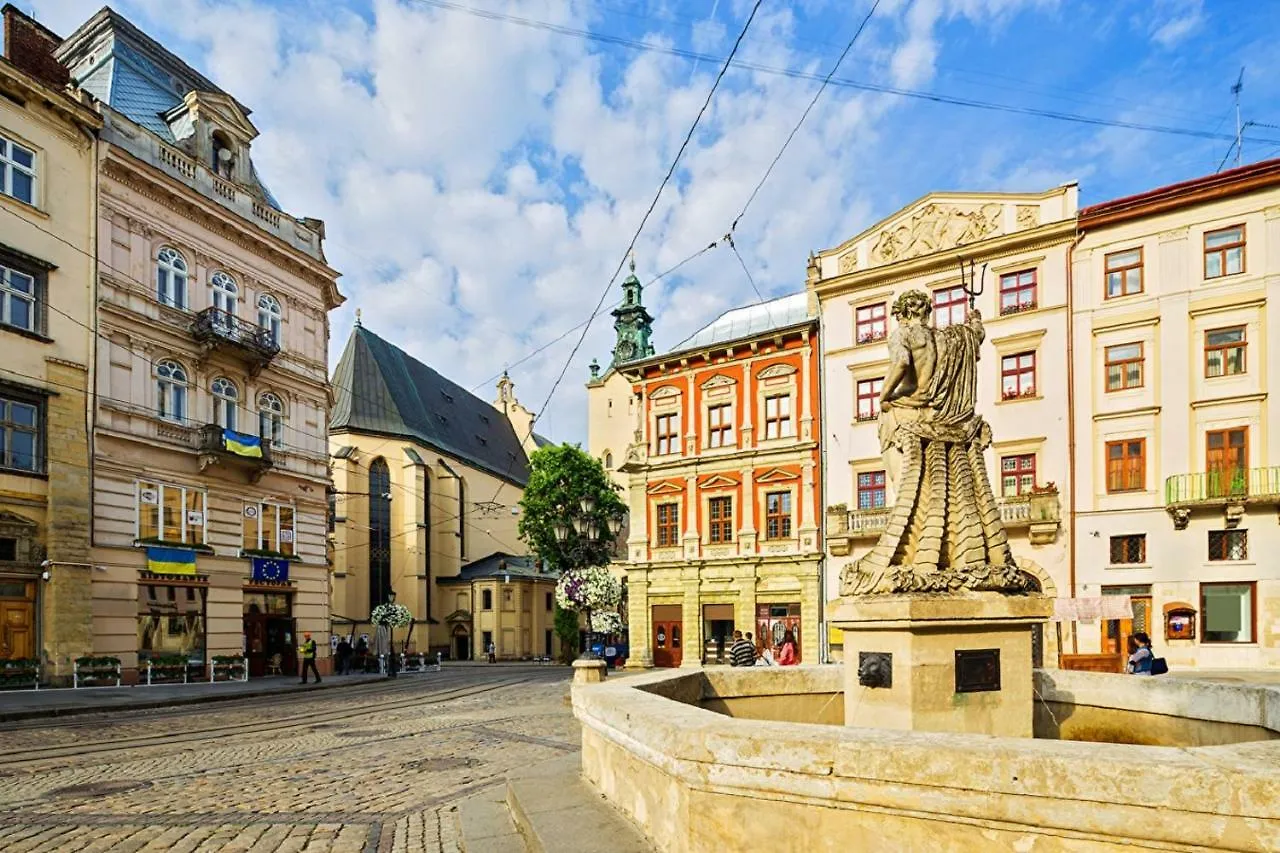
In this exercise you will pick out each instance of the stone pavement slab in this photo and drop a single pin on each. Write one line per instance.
(557, 811)
(486, 825)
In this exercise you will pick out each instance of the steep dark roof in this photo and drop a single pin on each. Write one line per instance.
(497, 565)
(397, 395)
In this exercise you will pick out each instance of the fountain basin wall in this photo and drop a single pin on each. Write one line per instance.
(698, 780)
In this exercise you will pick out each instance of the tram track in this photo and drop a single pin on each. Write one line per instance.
(20, 758)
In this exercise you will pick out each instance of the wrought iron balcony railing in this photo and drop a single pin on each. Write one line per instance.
(1223, 486)
(217, 445)
(218, 329)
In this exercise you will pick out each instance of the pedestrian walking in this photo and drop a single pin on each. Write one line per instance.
(492, 650)
(308, 651)
(742, 652)
(343, 654)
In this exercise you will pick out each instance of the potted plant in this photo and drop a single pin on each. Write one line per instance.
(227, 668)
(19, 672)
(167, 669)
(96, 671)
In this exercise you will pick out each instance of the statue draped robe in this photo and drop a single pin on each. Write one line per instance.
(944, 532)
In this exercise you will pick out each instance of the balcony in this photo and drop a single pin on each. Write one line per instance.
(218, 446)
(215, 329)
(1229, 490)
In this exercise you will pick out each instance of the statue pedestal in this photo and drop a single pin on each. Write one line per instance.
(955, 663)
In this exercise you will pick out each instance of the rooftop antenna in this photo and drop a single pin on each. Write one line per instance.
(1235, 90)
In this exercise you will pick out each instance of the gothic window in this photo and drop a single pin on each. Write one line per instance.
(171, 388)
(426, 520)
(226, 399)
(270, 316)
(271, 419)
(379, 532)
(462, 518)
(171, 278)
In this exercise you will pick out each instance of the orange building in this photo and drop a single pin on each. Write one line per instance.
(723, 484)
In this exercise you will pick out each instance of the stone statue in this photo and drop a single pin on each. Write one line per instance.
(944, 532)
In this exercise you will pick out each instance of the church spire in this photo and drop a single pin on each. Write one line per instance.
(632, 323)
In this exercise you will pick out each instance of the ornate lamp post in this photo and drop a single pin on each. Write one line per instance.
(391, 646)
(582, 535)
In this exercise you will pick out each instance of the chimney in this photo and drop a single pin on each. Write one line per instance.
(29, 45)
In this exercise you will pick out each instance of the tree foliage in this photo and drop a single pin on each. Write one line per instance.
(560, 477)
(566, 622)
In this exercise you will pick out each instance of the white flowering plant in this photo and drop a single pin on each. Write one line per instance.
(591, 588)
(606, 622)
(394, 615)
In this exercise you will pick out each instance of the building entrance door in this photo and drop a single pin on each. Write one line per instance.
(668, 635)
(270, 642)
(17, 620)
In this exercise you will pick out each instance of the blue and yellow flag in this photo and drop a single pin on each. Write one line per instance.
(241, 444)
(171, 561)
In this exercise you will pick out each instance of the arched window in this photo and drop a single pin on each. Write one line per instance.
(271, 419)
(379, 532)
(608, 460)
(226, 399)
(462, 518)
(171, 386)
(224, 297)
(269, 316)
(171, 277)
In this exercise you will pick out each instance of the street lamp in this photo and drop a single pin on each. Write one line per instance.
(581, 535)
(391, 640)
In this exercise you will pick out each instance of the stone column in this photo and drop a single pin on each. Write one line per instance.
(692, 618)
(744, 617)
(639, 627)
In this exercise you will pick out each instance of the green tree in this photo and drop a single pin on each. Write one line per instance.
(561, 478)
(566, 622)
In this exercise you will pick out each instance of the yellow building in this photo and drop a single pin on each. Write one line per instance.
(427, 481)
(47, 242)
(1177, 468)
(211, 391)
(1020, 244)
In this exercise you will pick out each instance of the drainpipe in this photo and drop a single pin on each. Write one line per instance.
(1071, 433)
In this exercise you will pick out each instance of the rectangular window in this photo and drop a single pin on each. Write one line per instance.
(720, 425)
(1228, 544)
(171, 621)
(1224, 351)
(777, 416)
(1229, 611)
(950, 307)
(1124, 366)
(1018, 292)
(486, 603)
(668, 435)
(171, 513)
(1018, 376)
(22, 435)
(871, 486)
(869, 398)
(269, 527)
(1129, 549)
(1124, 273)
(870, 323)
(550, 601)
(1224, 252)
(19, 300)
(17, 171)
(668, 525)
(508, 599)
(1017, 474)
(1127, 465)
(720, 515)
(777, 515)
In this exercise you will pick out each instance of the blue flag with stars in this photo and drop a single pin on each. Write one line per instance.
(270, 569)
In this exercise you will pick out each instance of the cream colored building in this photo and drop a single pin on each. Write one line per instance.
(212, 320)
(427, 480)
(47, 243)
(1019, 243)
(1177, 477)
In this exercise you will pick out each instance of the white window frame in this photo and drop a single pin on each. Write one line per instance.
(224, 296)
(274, 544)
(272, 417)
(271, 317)
(9, 165)
(8, 293)
(171, 389)
(226, 400)
(172, 274)
(160, 489)
(787, 427)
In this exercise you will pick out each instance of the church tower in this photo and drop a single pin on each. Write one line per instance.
(632, 322)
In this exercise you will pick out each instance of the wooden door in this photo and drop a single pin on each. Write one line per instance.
(1226, 457)
(668, 635)
(17, 629)
(1116, 632)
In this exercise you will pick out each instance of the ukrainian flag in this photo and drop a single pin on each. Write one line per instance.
(241, 444)
(171, 561)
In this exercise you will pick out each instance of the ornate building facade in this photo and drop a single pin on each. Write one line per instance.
(1177, 450)
(427, 482)
(1019, 245)
(722, 482)
(47, 239)
(211, 390)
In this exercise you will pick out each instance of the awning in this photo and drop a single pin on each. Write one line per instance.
(1175, 606)
(1087, 609)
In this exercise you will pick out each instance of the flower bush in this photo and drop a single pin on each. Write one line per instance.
(589, 588)
(606, 622)
(395, 615)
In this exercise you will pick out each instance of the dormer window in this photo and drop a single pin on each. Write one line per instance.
(224, 155)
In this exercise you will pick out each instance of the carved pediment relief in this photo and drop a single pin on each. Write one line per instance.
(666, 392)
(719, 381)
(11, 522)
(934, 228)
(664, 489)
(774, 371)
(223, 111)
(718, 481)
(776, 475)
(848, 261)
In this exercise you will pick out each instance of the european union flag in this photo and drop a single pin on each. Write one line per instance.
(171, 561)
(241, 444)
(270, 569)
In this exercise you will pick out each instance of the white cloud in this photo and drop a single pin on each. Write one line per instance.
(1174, 20)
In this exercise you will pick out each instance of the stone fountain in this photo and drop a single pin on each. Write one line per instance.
(938, 616)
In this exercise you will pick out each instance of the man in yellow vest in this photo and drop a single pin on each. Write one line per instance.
(308, 652)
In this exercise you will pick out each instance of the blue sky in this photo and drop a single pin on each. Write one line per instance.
(481, 178)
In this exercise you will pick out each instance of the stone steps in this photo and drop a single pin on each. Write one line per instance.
(548, 809)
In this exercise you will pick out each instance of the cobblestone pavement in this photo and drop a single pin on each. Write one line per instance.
(375, 767)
